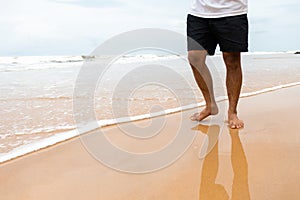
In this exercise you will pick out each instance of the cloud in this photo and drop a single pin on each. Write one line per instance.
(274, 25)
(91, 3)
(73, 26)
(64, 27)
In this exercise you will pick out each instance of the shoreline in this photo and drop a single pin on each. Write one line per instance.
(62, 137)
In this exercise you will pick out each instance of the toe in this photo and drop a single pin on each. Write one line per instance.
(194, 117)
(238, 125)
(232, 125)
(241, 125)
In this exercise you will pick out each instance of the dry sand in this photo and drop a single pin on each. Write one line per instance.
(260, 161)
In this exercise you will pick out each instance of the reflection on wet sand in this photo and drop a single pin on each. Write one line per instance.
(208, 187)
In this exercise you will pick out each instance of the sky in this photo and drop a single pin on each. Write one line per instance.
(77, 27)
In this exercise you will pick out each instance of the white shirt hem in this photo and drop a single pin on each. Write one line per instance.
(214, 15)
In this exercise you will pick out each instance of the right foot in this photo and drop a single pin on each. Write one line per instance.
(207, 111)
(234, 122)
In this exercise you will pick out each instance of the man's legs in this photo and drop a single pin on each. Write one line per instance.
(233, 83)
(204, 80)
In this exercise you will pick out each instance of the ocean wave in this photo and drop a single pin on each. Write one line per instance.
(38, 98)
(14, 64)
(50, 129)
(24, 63)
(71, 132)
(122, 58)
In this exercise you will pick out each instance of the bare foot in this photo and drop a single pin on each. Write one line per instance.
(207, 111)
(234, 122)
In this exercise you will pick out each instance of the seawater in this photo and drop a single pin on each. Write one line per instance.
(37, 93)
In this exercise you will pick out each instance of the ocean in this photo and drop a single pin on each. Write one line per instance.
(37, 93)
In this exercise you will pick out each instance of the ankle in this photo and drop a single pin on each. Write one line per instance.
(212, 108)
(232, 112)
(211, 105)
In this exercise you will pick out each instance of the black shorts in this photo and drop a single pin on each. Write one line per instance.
(231, 33)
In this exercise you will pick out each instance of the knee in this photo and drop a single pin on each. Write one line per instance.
(232, 61)
(196, 58)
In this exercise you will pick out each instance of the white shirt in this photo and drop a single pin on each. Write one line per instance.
(218, 8)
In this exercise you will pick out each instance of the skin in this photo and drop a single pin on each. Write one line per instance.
(204, 81)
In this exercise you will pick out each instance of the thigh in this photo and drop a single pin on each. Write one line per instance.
(199, 35)
(232, 33)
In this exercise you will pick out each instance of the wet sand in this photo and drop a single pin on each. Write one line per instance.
(260, 161)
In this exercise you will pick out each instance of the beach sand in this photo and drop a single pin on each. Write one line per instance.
(260, 161)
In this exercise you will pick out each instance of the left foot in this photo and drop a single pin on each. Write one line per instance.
(207, 111)
(234, 122)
